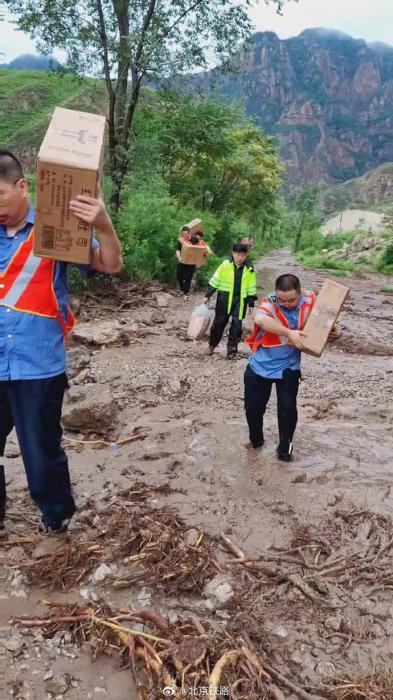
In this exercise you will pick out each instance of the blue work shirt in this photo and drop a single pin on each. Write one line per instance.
(270, 363)
(31, 346)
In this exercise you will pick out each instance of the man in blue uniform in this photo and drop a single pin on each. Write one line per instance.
(34, 318)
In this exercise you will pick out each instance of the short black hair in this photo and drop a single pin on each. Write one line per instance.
(10, 168)
(239, 248)
(185, 228)
(194, 240)
(288, 283)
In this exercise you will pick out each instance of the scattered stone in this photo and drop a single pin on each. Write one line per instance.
(90, 408)
(104, 571)
(100, 333)
(15, 644)
(333, 623)
(78, 359)
(300, 479)
(326, 668)
(59, 685)
(144, 597)
(157, 317)
(48, 675)
(164, 300)
(192, 537)
(219, 589)
(281, 631)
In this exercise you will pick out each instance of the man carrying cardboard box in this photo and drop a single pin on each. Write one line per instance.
(277, 344)
(34, 319)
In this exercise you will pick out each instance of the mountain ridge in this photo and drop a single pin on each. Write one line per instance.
(326, 97)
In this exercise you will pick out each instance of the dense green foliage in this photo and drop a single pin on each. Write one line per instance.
(196, 158)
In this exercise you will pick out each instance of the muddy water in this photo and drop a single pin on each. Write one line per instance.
(343, 445)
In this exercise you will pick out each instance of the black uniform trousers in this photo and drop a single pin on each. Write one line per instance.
(220, 322)
(257, 391)
(185, 274)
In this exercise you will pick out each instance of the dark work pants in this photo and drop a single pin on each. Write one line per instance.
(185, 274)
(256, 397)
(33, 407)
(235, 329)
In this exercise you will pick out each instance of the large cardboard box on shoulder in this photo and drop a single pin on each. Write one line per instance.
(195, 226)
(327, 307)
(68, 165)
(195, 254)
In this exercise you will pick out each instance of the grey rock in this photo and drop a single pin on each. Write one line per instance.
(326, 668)
(78, 359)
(90, 408)
(164, 300)
(192, 537)
(100, 333)
(220, 589)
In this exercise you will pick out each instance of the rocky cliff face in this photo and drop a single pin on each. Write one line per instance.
(328, 99)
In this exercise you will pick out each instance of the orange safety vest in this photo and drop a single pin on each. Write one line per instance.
(264, 339)
(27, 285)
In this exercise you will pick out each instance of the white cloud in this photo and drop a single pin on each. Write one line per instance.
(366, 19)
(13, 43)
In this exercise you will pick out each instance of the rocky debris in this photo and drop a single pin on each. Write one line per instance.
(164, 300)
(100, 333)
(192, 537)
(157, 317)
(219, 590)
(17, 584)
(103, 572)
(59, 685)
(15, 644)
(78, 360)
(90, 408)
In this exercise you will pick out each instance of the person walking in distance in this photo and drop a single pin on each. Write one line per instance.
(235, 284)
(277, 343)
(184, 272)
(34, 319)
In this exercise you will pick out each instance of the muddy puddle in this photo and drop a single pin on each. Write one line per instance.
(316, 622)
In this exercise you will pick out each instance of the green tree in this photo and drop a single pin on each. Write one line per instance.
(211, 154)
(132, 42)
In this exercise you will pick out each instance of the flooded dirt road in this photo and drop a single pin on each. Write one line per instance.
(323, 519)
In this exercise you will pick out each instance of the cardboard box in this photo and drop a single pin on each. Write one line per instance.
(195, 226)
(69, 164)
(194, 254)
(323, 316)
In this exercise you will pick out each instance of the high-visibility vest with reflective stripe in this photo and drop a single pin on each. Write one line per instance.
(224, 281)
(270, 307)
(27, 285)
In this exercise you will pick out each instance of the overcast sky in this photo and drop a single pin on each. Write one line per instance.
(367, 19)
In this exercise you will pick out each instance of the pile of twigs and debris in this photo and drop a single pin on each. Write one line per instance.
(151, 546)
(188, 657)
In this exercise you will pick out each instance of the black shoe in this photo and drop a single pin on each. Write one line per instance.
(284, 452)
(53, 527)
(232, 355)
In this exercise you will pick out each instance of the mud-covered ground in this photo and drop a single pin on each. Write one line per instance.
(315, 598)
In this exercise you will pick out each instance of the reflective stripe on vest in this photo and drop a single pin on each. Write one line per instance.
(261, 338)
(26, 285)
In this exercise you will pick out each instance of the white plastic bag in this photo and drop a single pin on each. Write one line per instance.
(200, 320)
